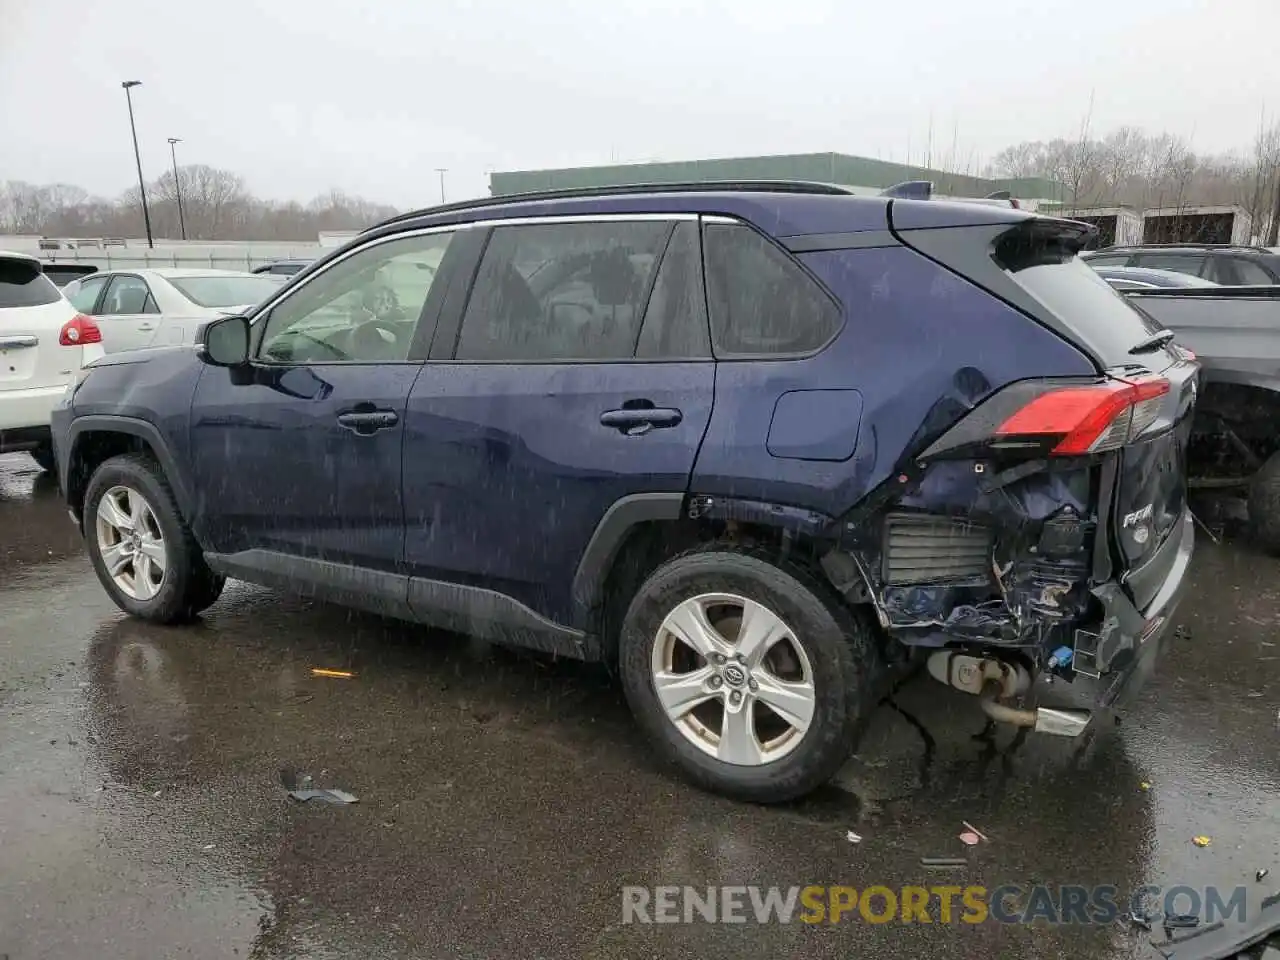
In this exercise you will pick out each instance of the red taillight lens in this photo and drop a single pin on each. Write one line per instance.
(78, 331)
(1089, 419)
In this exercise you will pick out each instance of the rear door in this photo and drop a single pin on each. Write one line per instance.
(581, 374)
(128, 313)
(32, 313)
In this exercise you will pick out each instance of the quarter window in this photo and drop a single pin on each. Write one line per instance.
(762, 303)
(565, 291)
(86, 296)
(364, 309)
(1250, 274)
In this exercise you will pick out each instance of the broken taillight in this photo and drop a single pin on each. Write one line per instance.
(1090, 418)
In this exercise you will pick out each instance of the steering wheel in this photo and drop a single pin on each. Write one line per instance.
(373, 338)
(336, 353)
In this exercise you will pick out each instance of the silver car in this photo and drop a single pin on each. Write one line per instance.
(163, 306)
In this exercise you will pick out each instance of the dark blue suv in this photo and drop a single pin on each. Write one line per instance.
(756, 446)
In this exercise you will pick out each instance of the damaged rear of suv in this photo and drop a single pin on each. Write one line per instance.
(1043, 533)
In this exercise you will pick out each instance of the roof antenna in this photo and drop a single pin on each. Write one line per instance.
(910, 190)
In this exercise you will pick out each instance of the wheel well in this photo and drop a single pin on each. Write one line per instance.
(92, 449)
(1230, 414)
(651, 543)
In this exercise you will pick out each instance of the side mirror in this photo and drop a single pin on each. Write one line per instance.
(226, 342)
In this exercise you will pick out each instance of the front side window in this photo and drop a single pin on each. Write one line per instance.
(128, 296)
(565, 291)
(762, 303)
(364, 309)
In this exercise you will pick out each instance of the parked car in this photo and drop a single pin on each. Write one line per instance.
(63, 273)
(282, 268)
(755, 445)
(1235, 334)
(159, 307)
(44, 343)
(1225, 265)
(1145, 278)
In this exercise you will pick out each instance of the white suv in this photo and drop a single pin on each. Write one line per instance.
(44, 342)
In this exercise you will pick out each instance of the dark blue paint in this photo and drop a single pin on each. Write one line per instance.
(275, 470)
(920, 345)
(508, 469)
(815, 425)
(497, 475)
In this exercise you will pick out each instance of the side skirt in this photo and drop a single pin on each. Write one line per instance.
(474, 611)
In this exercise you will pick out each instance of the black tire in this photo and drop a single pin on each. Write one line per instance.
(189, 586)
(838, 643)
(1264, 504)
(43, 455)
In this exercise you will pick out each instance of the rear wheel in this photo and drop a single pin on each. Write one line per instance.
(141, 548)
(1264, 504)
(43, 455)
(750, 675)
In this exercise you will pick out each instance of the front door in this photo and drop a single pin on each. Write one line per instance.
(581, 375)
(301, 453)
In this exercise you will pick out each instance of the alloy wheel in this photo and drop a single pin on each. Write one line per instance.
(130, 543)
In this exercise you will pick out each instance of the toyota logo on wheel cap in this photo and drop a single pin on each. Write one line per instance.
(735, 675)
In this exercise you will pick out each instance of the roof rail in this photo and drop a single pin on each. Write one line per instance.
(1000, 195)
(1187, 245)
(684, 186)
(910, 190)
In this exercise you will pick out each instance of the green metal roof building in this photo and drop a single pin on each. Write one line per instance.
(858, 173)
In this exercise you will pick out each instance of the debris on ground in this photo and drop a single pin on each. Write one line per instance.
(1201, 841)
(853, 837)
(1138, 920)
(974, 830)
(1180, 921)
(970, 839)
(943, 863)
(1261, 874)
(1144, 786)
(301, 789)
(337, 674)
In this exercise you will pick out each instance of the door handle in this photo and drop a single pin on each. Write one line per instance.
(146, 326)
(365, 423)
(11, 343)
(636, 422)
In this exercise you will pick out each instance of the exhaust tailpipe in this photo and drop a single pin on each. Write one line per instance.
(1059, 723)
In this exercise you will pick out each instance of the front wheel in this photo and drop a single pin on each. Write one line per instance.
(749, 674)
(141, 547)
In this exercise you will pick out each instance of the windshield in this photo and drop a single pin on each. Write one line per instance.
(229, 291)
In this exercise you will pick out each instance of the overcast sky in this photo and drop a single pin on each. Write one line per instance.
(370, 97)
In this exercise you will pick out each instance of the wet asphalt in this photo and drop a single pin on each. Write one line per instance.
(506, 799)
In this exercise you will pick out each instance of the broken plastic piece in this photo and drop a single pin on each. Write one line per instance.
(942, 863)
(1181, 921)
(853, 837)
(325, 796)
(969, 838)
(1201, 841)
(972, 829)
(1261, 874)
(325, 672)
(1144, 785)
(1138, 920)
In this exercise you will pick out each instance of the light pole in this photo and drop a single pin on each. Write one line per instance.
(442, 171)
(142, 187)
(177, 184)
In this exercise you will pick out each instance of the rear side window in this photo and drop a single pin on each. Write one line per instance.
(675, 322)
(22, 284)
(565, 291)
(1250, 273)
(762, 302)
(85, 294)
